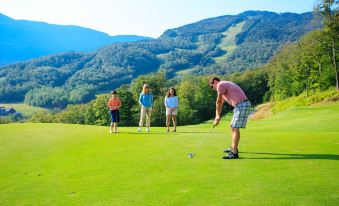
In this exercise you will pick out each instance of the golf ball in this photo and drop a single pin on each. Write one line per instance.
(190, 155)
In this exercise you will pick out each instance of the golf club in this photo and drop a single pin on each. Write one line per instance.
(191, 155)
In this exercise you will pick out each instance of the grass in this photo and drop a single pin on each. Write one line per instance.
(290, 158)
(317, 98)
(331, 95)
(23, 108)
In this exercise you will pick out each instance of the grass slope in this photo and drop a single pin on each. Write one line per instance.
(228, 43)
(288, 159)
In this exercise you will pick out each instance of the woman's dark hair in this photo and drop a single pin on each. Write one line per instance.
(114, 92)
(169, 93)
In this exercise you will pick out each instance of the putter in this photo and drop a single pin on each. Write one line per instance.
(191, 155)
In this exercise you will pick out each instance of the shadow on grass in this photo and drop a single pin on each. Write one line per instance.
(147, 133)
(291, 156)
(201, 132)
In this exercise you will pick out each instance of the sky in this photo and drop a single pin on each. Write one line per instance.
(139, 17)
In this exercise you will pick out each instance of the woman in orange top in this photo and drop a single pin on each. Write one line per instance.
(114, 105)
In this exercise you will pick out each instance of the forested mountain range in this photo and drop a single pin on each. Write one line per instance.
(22, 39)
(220, 45)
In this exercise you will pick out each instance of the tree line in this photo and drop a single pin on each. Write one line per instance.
(193, 46)
(308, 65)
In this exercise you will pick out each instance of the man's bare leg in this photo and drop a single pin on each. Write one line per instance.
(235, 139)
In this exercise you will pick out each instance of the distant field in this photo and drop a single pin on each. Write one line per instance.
(290, 158)
(24, 108)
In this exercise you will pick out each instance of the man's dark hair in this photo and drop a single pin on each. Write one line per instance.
(114, 92)
(213, 79)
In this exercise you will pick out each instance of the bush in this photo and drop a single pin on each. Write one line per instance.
(5, 120)
(43, 117)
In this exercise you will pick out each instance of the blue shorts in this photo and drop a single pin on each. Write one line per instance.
(240, 114)
(115, 115)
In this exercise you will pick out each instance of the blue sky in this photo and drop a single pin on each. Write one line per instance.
(140, 17)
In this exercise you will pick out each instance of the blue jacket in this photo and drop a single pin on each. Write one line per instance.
(146, 100)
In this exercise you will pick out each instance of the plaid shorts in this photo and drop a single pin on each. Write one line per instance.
(240, 114)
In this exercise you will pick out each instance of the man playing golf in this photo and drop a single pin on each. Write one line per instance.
(235, 96)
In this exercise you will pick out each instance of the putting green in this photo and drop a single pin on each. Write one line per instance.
(288, 159)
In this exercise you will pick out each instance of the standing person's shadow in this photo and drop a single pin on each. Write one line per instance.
(282, 156)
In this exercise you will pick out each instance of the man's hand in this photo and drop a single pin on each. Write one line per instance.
(216, 121)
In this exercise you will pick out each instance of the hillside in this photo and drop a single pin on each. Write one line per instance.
(220, 45)
(288, 159)
(22, 39)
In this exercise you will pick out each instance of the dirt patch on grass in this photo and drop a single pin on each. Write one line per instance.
(332, 99)
(263, 111)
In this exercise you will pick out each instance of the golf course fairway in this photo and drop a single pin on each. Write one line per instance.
(291, 158)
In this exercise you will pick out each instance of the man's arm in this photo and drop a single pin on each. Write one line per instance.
(218, 107)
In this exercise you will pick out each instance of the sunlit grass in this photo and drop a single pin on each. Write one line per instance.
(290, 158)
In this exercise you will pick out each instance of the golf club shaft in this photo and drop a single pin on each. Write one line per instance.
(203, 140)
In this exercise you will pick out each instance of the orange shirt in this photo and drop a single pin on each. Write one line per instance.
(114, 103)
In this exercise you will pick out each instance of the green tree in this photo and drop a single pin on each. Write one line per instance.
(187, 113)
(283, 77)
(100, 111)
(330, 13)
(127, 113)
(82, 94)
(73, 114)
(47, 97)
(204, 99)
(314, 58)
(43, 117)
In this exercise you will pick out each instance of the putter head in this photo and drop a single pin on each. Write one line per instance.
(190, 155)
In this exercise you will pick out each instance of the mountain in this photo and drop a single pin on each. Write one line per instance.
(22, 40)
(220, 45)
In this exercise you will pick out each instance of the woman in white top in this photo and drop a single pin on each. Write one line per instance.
(171, 104)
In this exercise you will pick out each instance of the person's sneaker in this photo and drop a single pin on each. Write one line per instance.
(116, 131)
(110, 131)
(147, 129)
(227, 150)
(231, 155)
(139, 129)
(167, 130)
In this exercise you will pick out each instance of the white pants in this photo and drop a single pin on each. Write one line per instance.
(145, 111)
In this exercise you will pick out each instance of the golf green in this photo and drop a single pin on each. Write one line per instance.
(291, 158)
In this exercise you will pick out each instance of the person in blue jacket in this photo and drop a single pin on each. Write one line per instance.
(146, 102)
